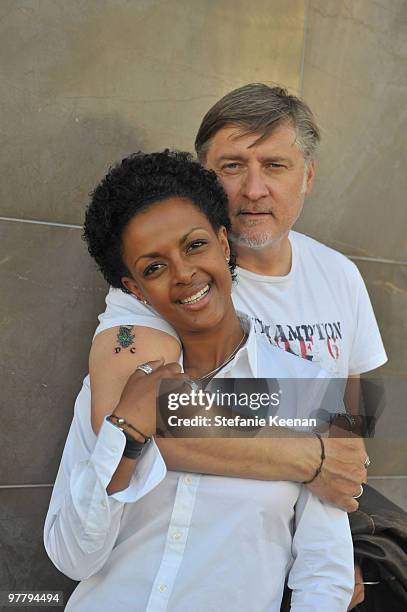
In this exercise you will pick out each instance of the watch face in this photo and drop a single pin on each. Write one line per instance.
(343, 420)
(351, 420)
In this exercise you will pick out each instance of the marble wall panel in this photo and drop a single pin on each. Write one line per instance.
(51, 295)
(24, 564)
(392, 488)
(84, 83)
(387, 287)
(388, 456)
(355, 80)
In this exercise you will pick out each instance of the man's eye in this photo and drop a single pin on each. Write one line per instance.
(196, 244)
(231, 167)
(151, 269)
(275, 166)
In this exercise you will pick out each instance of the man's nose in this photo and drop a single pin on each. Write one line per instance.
(254, 186)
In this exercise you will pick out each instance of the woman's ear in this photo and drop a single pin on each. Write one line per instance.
(223, 239)
(131, 285)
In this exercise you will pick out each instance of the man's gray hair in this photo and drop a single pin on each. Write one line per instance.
(259, 109)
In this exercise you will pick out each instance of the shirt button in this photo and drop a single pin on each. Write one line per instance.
(188, 479)
(113, 449)
(162, 588)
(103, 504)
(177, 535)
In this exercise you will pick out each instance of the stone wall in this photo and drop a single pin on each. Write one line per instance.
(85, 83)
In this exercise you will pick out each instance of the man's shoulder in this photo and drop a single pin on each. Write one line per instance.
(323, 254)
(124, 309)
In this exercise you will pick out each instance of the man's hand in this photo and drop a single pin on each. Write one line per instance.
(343, 472)
(359, 592)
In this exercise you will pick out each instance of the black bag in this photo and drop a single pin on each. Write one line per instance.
(379, 533)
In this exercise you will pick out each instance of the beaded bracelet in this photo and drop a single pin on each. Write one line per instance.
(318, 471)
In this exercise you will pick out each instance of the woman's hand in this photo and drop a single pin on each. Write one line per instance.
(138, 400)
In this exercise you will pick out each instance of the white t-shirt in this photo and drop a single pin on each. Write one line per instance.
(320, 311)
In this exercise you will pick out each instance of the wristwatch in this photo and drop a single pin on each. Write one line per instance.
(349, 422)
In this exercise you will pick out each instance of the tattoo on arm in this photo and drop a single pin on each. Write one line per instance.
(125, 338)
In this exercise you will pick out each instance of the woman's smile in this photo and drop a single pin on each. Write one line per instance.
(197, 300)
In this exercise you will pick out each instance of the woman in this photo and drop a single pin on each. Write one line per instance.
(144, 538)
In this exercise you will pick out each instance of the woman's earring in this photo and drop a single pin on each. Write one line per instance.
(227, 259)
(142, 301)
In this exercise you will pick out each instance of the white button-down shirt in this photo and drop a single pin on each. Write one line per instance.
(180, 542)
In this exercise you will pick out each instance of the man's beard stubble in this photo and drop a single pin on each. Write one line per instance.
(256, 243)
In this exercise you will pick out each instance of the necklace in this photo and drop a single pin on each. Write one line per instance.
(228, 359)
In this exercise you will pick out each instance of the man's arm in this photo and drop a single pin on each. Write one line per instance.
(294, 459)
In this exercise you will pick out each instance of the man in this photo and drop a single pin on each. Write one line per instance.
(306, 298)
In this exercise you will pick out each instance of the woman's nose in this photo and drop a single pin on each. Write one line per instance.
(183, 271)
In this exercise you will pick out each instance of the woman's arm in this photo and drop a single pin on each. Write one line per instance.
(110, 370)
(83, 521)
(322, 575)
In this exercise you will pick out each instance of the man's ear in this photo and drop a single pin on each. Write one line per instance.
(223, 239)
(131, 285)
(310, 176)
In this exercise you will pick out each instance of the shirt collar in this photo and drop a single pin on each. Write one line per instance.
(248, 350)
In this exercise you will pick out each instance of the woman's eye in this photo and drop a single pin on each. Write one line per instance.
(196, 244)
(151, 269)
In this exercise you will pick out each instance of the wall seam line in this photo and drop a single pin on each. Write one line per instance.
(383, 260)
(304, 44)
(34, 222)
(377, 260)
(26, 486)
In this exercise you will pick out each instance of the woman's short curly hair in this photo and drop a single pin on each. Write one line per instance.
(133, 185)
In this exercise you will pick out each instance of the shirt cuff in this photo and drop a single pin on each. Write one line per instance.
(88, 482)
(108, 451)
(95, 510)
(149, 471)
(314, 602)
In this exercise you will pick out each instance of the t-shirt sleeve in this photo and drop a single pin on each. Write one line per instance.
(367, 350)
(125, 309)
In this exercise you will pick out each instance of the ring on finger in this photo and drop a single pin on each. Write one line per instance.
(359, 494)
(144, 367)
